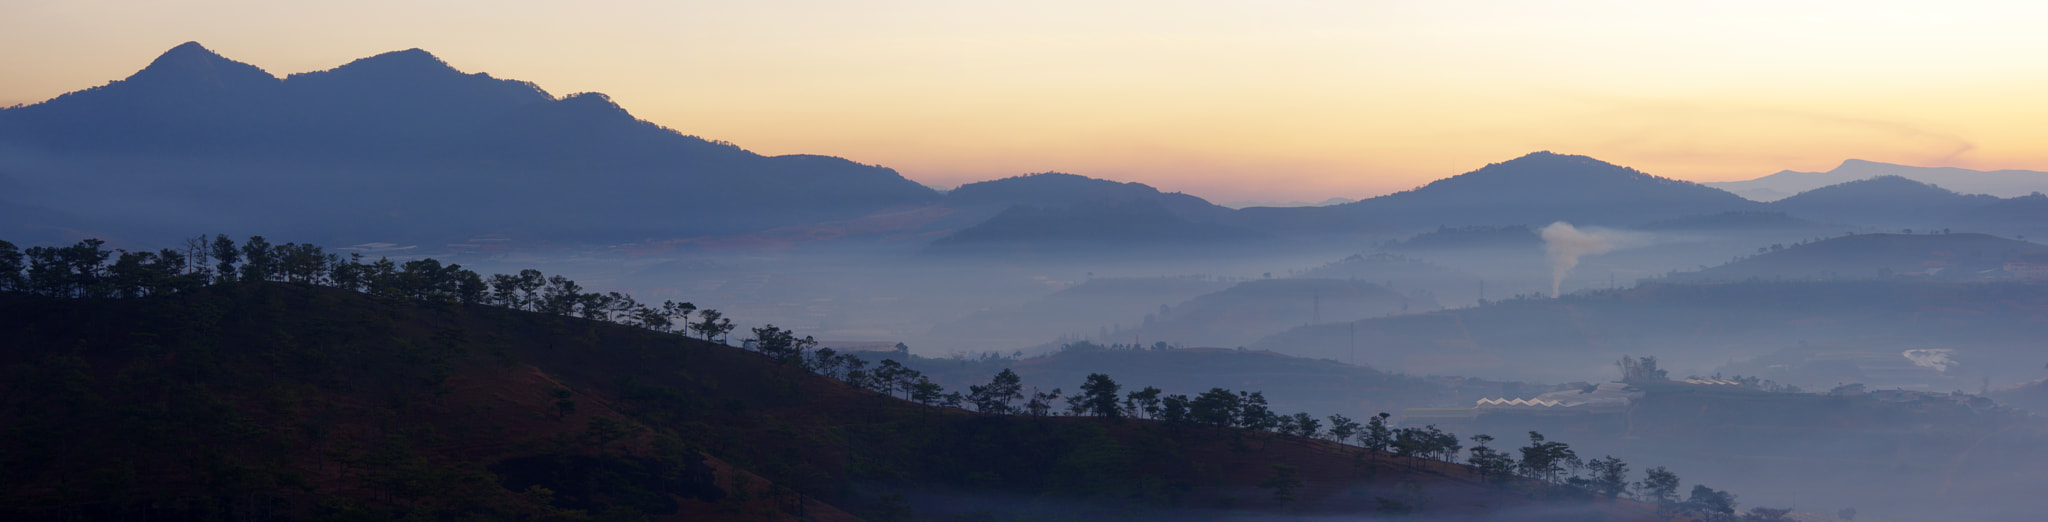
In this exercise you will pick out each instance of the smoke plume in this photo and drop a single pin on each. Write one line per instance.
(1567, 244)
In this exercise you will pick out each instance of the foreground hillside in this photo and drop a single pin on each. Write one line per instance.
(256, 401)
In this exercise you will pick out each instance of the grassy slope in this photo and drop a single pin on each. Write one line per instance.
(329, 404)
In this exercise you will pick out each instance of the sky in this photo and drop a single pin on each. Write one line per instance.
(1276, 100)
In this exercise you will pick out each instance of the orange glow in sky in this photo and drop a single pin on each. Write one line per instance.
(1231, 101)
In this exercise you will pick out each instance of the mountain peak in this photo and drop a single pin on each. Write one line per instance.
(409, 61)
(189, 49)
(193, 64)
(1855, 164)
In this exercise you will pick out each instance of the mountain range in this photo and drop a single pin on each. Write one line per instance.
(403, 147)
(2001, 183)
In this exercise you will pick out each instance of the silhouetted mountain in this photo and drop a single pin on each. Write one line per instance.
(1053, 189)
(1884, 201)
(1510, 237)
(1543, 187)
(1089, 225)
(1245, 312)
(1875, 256)
(1695, 328)
(2001, 183)
(1747, 221)
(400, 145)
(2017, 215)
(1074, 312)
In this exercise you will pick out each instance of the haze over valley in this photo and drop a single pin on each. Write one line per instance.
(397, 288)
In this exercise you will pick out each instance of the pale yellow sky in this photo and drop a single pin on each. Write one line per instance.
(1270, 100)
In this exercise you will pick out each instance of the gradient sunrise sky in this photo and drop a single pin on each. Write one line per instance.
(1270, 100)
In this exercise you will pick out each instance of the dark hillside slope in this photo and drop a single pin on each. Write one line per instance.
(401, 146)
(246, 401)
(1073, 312)
(1053, 189)
(1543, 187)
(1884, 201)
(265, 401)
(1993, 328)
(1090, 227)
(1247, 311)
(1965, 257)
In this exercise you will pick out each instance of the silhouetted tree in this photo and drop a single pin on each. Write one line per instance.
(678, 313)
(197, 257)
(888, 376)
(996, 397)
(1041, 402)
(1217, 407)
(711, 323)
(1174, 410)
(1252, 412)
(1609, 476)
(856, 371)
(560, 296)
(1492, 464)
(346, 273)
(1378, 436)
(225, 253)
(259, 261)
(565, 404)
(470, 288)
(1710, 502)
(1143, 402)
(1659, 486)
(1342, 428)
(825, 362)
(520, 291)
(1306, 425)
(11, 267)
(926, 392)
(782, 345)
(1545, 460)
(1098, 397)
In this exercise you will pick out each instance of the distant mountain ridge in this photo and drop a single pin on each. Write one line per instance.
(402, 145)
(1956, 257)
(2002, 183)
(1544, 187)
(1885, 201)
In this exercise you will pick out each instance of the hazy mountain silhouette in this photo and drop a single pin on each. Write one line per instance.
(2023, 214)
(1543, 187)
(1877, 256)
(1884, 201)
(1735, 221)
(2001, 183)
(1248, 311)
(1088, 225)
(975, 203)
(1052, 189)
(1075, 312)
(402, 145)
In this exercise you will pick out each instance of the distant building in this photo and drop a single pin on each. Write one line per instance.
(2033, 267)
(1612, 397)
